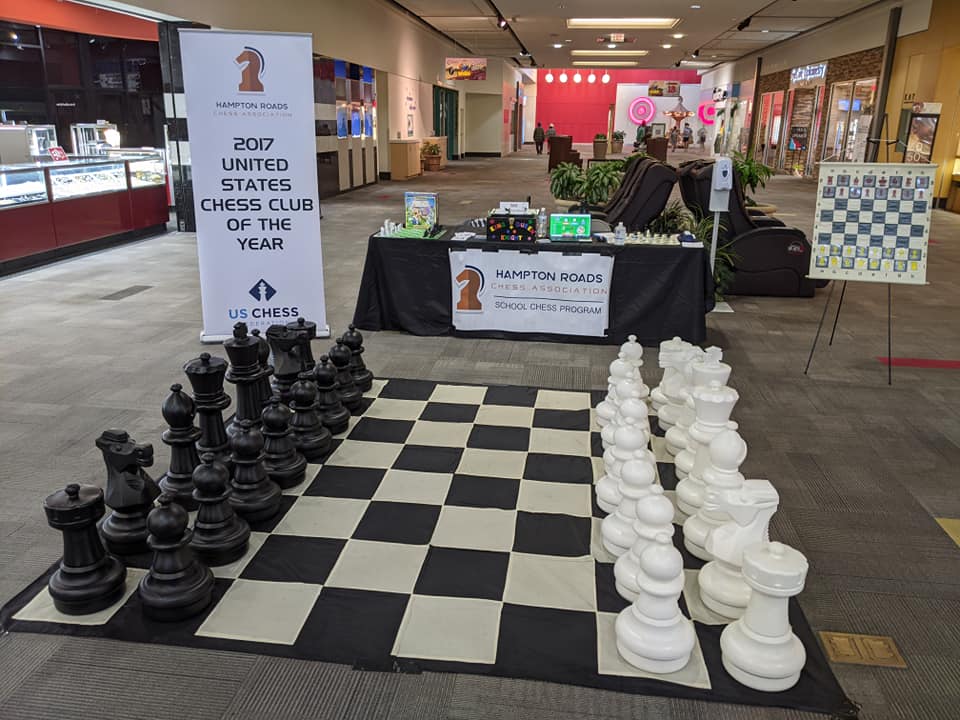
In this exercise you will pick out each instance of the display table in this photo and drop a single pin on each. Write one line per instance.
(656, 291)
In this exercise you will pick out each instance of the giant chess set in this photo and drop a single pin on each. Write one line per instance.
(601, 539)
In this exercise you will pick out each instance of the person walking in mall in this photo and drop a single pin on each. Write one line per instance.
(538, 136)
(702, 139)
(641, 139)
(687, 135)
(674, 137)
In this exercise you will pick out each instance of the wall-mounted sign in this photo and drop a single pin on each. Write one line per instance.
(721, 93)
(707, 112)
(663, 88)
(808, 75)
(466, 68)
(642, 110)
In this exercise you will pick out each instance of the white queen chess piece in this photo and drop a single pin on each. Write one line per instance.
(620, 369)
(652, 634)
(630, 443)
(668, 349)
(618, 529)
(673, 389)
(702, 370)
(654, 517)
(760, 650)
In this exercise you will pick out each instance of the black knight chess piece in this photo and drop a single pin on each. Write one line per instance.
(89, 579)
(206, 374)
(333, 414)
(255, 496)
(285, 466)
(264, 391)
(130, 492)
(179, 411)
(286, 359)
(243, 350)
(361, 375)
(350, 394)
(219, 535)
(306, 331)
(311, 438)
(177, 586)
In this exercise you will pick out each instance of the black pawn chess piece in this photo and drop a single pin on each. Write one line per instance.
(243, 350)
(264, 391)
(306, 331)
(255, 496)
(333, 414)
(219, 535)
(361, 375)
(179, 411)
(130, 492)
(285, 466)
(88, 579)
(350, 394)
(177, 586)
(286, 360)
(311, 438)
(206, 374)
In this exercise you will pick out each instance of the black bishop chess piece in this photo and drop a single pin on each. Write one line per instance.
(311, 438)
(243, 350)
(264, 391)
(255, 496)
(89, 579)
(130, 492)
(206, 374)
(286, 359)
(179, 411)
(350, 394)
(177, 586)
(361, 375)
(219, 535)
(306, 332)
(285, 466)
(333, 414)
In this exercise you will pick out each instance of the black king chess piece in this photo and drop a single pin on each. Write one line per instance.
(255, 496)
(206, 374)
(243, 350)
(306, 332)
(179, 411)
(350, 394)
(285, 345)
(361, 375)
(333, 414)
(130, 492)
(264, 391)
(219, 535)
(285, 466)
(311, 438)
(177, 586)
(88, 579)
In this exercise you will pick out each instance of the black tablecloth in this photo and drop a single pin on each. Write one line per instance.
(657, 291)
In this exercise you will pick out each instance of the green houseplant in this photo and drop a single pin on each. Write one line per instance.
(565, 181)
(599, 182)
(751, 174)
(617, 143)
(600, 146)
(430, 154)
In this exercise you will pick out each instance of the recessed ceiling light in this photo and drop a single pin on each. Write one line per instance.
(611, 45)
(666, 46)
(764, 31)
(558, 45)
(641, 23)
(677, 36)
(608, 53)
(604, 63)
(697, 63)
(694, 7)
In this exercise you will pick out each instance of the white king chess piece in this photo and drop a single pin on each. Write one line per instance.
(630, 443)
(619, 370)
(654, 517)
(618, 529)
(702, 371)
(632, 407)
(674, 388)
(723, 588)
(760, 650)
(727, 452)
(668, 348)
(652, 634)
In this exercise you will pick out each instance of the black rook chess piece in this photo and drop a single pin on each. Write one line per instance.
(333, 414)
(179, 411)
(264, 391)
(219, 535)
(130, 492)
(285, 466)
(88, 579)
(309, 435)
(350, 394)
(306, 332)
(284, 344)
(255, 496)
(206, 374)
(244, 353)
(361, 375)
(177, 586)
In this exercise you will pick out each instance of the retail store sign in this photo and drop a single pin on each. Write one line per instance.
(252, 146)
(466, 68)
(543, 292)
(663, 88)
(808, 75)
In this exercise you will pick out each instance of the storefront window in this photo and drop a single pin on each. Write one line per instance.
(848, 125)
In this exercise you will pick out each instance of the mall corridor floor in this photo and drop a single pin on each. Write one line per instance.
(864, 470)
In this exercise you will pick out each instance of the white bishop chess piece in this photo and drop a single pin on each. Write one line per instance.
(654, 517)
(632, 407)
(652, 634)
(632, 352)
(630, 443)
(727, 452)
(619, 370)
(702, 371)
(668, 349)
(618, 529)
(723, 588)
(675, 387)
(760, 650)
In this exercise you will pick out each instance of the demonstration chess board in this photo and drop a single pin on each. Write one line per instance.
(873, 222)
(452, 528)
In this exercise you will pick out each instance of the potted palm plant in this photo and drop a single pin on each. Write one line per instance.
(617, 143)
(430, 154)
(600, 146)
(752, 174)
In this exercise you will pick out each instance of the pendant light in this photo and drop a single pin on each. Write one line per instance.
(563, 77)
(577, 77)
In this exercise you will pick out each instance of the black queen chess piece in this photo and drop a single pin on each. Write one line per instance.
(284, 344)
(334, 416)
(255, 496)
(311, 438)
(264, 391)
(243, 350)
(220, 536)
(361, 375)
(179, 410)
(306, 332)
(206, 374)
(130, 492)
(89, 579)
(177, 587)
(285, 466)
(350, 394)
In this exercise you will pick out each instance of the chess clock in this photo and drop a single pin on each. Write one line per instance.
(510, 227)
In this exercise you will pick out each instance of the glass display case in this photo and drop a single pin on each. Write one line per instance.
(21, 186)
(77, 179)
(148, 166)
(91, 139)
(42, 138)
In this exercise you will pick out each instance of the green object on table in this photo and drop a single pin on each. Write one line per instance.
(404, 232)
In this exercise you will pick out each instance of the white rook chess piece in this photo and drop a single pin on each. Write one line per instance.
(675, 387)
(630, 443)
(652, 634)
(727, 452)
(619, 370)
(618, 529)
(631, 407)
(654, 517)
(702, 371)
(749, 508)
(760, 650)
(668, 349)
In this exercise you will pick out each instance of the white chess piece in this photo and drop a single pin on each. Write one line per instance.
(760, 650)
(654, 513)
(631, 407)
(702, 370)
(618, 529)
(619, 370)
(674, 390)
(632, 352)
(630, 443)
(652, 634)
(626, 387)
(668, 348)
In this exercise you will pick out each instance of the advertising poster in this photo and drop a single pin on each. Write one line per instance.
(466, 68)
(251, 123)
(663, 88)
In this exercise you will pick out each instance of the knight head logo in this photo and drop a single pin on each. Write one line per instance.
(471, 283)
(252, 65)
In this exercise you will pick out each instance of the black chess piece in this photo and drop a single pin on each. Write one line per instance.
(264, 391)
(333, 414)
(243, 350)
(206, 374)
(306, 331)
(177, 586)
(285, 466)
(179, 411)
(309, 435)
(361, 375)
(350, 394)
(88, 579)
(286, 359)
(220, 536)
(255, 496)
(130, 492)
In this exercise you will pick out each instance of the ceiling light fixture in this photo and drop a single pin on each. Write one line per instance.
(548, 77)
(591, 78)
(502, 22)
(606, 78)
(577, 77)
(694, 7)
(640, 23)
(677, 36)
(563, 77)
(602, 63)
(14, 36)
(764, 30)
(608, 53)
(557, 46)
(744, 24)
(695, 53)
(666, 46)
(611, 45)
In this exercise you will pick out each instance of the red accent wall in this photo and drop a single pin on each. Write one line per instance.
(77, 18)
(580, 109)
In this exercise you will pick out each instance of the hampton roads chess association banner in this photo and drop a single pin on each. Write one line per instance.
(249, 99)
(544, 292)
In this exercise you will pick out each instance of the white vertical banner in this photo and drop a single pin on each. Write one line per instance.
(250, 117)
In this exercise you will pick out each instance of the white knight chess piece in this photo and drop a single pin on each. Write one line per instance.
(668, 349)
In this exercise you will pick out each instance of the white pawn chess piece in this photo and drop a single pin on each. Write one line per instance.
(618, 529)
(702, 370)
(619, 370)
(652, 634)
(674, 389)
(626, 387)
(760, 650)
(631, 407)
(630, 443)
(668, 348)
(654, 517)
(727, 452)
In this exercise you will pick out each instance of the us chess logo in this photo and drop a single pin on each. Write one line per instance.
(262, 291)
(252, 65)
(471, 283)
